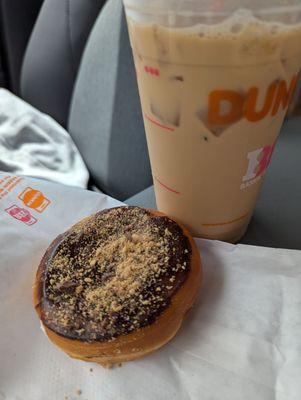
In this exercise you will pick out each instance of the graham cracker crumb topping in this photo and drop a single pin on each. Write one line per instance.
(114, 273)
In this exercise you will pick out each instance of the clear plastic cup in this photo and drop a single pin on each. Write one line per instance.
(216, 79)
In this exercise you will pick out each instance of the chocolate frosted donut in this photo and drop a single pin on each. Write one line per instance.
(114, 275)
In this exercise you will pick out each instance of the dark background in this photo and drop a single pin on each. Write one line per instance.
(17, 18)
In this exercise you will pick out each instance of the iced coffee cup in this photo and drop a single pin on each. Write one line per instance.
(216, 79)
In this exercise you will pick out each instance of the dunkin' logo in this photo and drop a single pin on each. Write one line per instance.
(278, 97)
(258, 162)
(34, 199)
(21, 214)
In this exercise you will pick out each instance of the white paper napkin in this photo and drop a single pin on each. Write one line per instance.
(242, 340)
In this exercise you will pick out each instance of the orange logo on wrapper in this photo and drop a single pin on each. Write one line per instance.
(239, 105)
(34, 199)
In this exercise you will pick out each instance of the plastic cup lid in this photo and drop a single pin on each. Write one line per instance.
(273, 9)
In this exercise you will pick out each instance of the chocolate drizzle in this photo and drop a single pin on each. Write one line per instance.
(112, 274)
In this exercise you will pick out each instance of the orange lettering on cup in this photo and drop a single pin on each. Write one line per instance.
(250, 111)
(284, 96)
(238, 105)
(216, 99)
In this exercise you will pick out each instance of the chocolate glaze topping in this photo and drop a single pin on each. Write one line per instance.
(112, 274)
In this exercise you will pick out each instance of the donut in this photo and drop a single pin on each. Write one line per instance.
(117, 285)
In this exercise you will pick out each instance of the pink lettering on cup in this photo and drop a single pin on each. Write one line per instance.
(258, 162)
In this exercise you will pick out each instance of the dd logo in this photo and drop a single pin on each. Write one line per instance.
(259, 160)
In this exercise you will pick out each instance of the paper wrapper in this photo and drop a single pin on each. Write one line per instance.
(242, 340)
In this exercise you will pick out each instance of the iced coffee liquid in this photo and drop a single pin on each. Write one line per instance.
(214, 98)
